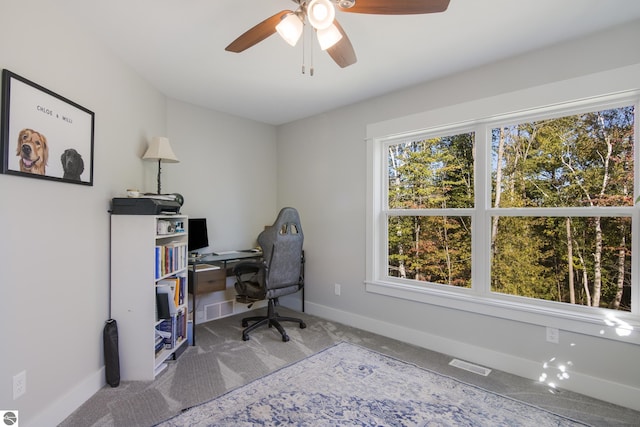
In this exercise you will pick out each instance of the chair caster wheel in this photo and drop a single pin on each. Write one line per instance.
(285, 338)
(245, 337)
(303, 325)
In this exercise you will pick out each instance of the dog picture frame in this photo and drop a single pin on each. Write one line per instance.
(44, 135)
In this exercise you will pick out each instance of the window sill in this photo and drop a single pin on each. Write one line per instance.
(607, 324)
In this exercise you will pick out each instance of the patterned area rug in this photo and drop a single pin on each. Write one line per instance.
(347, 385)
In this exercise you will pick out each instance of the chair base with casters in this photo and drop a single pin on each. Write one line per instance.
(272, 319)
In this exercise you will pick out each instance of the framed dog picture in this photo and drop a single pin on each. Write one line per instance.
(44, 135)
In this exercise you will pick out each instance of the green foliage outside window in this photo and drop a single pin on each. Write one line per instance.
(434, 173)
(582, 162)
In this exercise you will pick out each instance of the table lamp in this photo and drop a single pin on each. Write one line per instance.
(160, 149)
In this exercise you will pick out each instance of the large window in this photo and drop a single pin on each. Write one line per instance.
(428, 178)
(534, 209)
(582, 161)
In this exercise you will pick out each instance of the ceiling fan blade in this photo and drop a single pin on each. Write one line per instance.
(398, 7)
(257, 33)
(342, 52)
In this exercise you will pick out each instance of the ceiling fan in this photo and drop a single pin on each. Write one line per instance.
(321, 16)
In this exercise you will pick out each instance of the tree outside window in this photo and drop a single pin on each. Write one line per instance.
(580, 161)
(557, 218)
(428, 176)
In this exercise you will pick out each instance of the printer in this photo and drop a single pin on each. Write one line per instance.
(144, 205)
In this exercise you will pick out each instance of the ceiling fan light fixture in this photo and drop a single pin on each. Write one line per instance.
(321, 13)
(328, 37)
(290, 28)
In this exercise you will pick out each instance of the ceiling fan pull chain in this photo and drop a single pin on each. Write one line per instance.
(304, 43)
(311, 52)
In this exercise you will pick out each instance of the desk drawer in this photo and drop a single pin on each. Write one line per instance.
(209, 281)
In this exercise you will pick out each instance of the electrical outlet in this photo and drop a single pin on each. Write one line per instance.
(337, 289)
(553, 335)
(19, 384)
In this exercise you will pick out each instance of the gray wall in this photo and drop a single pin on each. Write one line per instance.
(54, 271)
(54, 249)
(330, 192)
(55, 245)
(227, 172)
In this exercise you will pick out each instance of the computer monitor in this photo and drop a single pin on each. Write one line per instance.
(198, 237)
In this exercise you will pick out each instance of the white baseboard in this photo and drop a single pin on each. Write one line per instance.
(61, 408)
(598, 388)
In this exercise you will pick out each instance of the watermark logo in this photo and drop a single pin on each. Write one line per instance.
(9, 418)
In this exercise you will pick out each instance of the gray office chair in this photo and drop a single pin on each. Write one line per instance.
(279, 273)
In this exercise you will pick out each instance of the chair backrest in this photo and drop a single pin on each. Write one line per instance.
(282, 248)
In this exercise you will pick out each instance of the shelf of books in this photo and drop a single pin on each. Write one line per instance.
(170, 257)
(171, 318)
(149, 291)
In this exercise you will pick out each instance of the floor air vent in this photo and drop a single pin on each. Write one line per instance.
(218, 310)
(480, 370)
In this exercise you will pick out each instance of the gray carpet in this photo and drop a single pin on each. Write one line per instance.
(221, 361)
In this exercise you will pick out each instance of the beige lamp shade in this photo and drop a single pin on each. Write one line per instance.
(160, 149)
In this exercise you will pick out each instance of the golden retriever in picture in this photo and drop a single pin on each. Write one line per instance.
(33, 151)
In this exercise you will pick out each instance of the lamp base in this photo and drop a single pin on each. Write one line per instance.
(159, 169)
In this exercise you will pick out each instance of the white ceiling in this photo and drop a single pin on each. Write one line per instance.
(178, 46)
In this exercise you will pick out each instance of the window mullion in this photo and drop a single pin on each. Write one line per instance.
(481, 220)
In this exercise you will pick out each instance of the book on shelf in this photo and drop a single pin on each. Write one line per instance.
(165, 292)
(166, 328)
(178, 328)
(182, 290)
(159, 342)
(172, 331)
(181, 324)
(170, 257)
(162, 306)
(177, 286)
(158, 251)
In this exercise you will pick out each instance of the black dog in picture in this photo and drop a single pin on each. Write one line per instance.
(72, 164)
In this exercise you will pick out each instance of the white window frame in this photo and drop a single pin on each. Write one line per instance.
(610, 324)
